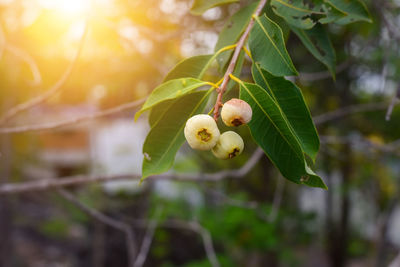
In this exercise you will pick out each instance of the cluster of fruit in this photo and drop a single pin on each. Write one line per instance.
(202, 133)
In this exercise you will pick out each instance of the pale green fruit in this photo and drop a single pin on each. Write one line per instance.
(236, 112)
(201, 132)
(229, 145)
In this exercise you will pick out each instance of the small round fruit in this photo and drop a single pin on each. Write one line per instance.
(229, 145)
(201, 132)
(236, 112)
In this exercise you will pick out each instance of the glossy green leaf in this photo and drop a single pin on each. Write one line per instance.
(273, 134)
(231, 32)
(355, 10)
(292, 104)
(201, 6)
(170, 90)
(158, 111)
(166, 137)
(268, 48)
(331, 13)
(192, 67)
(317, 41)
(300, 14)
(295, 12)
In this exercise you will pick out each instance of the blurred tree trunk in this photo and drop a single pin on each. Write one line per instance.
(5, 204)
(98, 245)
(338, 233)
(383, 226)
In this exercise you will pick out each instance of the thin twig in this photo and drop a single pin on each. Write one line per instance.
(391, 148)
(188, 225)
(394, 36)
(395, 262)
(315, 76)
(148, 238)
(342, 112)
(58, 124)
(380, 8)
(276, 203)
(252, 205)
(235, 56)
(119, 225)
(46, 184)
(23, 55)
(394, 101)
(204, 233)
(53, 89)
(37, 78)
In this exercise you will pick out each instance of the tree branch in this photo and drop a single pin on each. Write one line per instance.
(130, 241)
(394, 101)
(315, 76)
(23, 55)
(221, 90)
(255, 206)
(395, 262)
(204, 233)
(58, 124)
(46, 184)
(148, 238)
(130, 105)
(342, 112)
(276, 204)
(54, 89)
(391, 148)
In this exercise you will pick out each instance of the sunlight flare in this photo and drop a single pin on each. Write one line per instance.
(67, 7)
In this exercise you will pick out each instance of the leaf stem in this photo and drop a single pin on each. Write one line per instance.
(223, 49)
(239, 45)
(212, 84)
(247, 52)
(236, 79)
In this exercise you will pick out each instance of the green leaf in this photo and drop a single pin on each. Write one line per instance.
(273, 134)
(268, 48)
(192, 67)
(201, 6)
(331, 13)
(292, 104)
(158, 111)
(355, 10)
(295, 12)
(231, 32)
(318, 43)
(170, 90)
(302, 15)
(166, 137)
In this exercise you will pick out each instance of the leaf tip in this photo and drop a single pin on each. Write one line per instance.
(137, 115)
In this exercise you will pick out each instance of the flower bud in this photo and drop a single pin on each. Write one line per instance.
(201, 132)
(236, 112)
(229, 145)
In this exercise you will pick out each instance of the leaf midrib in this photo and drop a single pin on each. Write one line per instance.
(276, 127)
(272, 42)
(170, 96)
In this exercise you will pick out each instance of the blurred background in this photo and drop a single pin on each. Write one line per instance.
(95, 55)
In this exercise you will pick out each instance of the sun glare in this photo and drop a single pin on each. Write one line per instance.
(67, 7)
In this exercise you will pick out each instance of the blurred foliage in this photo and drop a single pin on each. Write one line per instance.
(130, 47)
